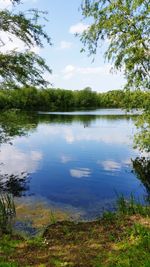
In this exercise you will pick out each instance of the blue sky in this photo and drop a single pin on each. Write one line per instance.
(71, 69)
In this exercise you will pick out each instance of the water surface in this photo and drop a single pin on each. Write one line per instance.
(76, 160)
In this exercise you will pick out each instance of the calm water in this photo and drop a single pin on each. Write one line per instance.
(75, 160)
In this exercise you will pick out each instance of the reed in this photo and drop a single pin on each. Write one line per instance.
(7, 213)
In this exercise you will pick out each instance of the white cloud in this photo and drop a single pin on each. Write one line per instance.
(78, 28)
(81, 172)
(11, 42)
(70, 70)
(64, 45)
(5, 4)
(95, 70)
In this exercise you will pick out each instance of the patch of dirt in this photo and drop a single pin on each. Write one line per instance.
(73, 244)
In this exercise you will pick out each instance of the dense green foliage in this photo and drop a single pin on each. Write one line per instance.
(22, 67)
(125, 25)
(31, 98)
(142, 138)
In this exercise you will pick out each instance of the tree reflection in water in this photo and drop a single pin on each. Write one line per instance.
(141, 167)
(13, 124)
(14, 184)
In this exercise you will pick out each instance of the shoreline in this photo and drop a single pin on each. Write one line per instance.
(117, 239)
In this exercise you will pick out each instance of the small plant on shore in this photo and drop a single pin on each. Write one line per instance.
(7, 213)
(131, 206)
(53, 219)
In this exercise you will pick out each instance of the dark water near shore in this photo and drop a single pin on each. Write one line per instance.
(78, 161)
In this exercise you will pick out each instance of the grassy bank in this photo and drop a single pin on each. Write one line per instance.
(117, 239)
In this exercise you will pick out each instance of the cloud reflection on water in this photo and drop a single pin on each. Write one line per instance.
(115, 135)
(15, 161)
(80, 172)
(65, 159)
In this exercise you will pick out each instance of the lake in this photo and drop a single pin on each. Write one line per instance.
(78, 161)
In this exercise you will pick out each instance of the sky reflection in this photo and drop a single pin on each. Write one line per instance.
(73, 165)
(15, 161)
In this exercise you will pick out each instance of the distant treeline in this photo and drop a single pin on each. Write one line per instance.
(60, 99)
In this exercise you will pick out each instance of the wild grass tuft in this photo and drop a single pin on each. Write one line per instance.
(7, 213)
(131, 206)
(53, 219)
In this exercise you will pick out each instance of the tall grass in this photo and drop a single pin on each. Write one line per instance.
(7, 213)
(131, 206)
